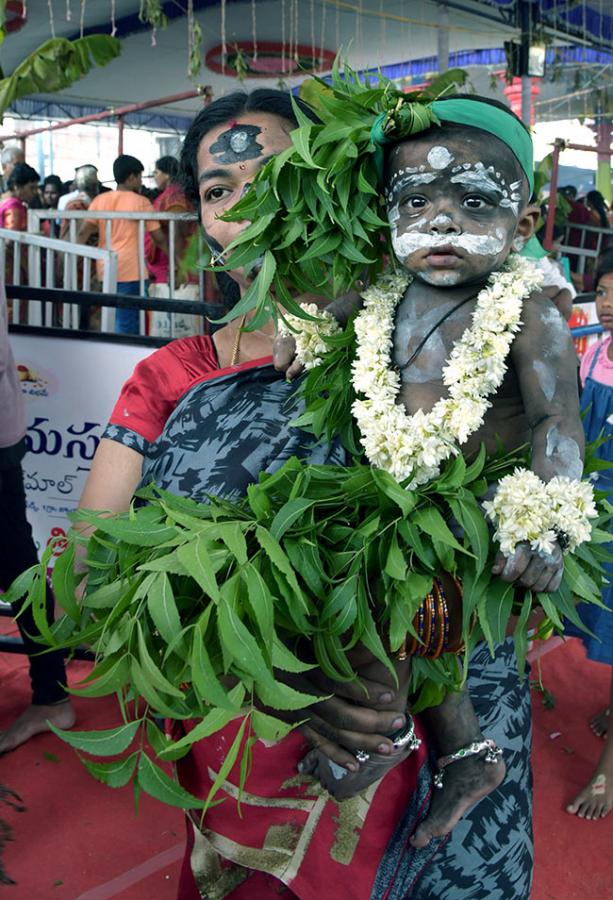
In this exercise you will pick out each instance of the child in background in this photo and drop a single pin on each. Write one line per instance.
(595, 800)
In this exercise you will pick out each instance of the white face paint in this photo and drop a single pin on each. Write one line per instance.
(563, 451)
(439, 158)
(479, 244)
(412, 180)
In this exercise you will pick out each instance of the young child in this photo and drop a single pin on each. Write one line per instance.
(595, 800)
(457, 203)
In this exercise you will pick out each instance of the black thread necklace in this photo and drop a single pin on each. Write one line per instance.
(421, 344)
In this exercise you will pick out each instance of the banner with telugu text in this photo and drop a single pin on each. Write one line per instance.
(69, 388)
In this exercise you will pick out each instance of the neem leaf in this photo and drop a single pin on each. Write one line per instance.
(106, 742)
(114, 774)
(155, 782)
(240, 644)
(196, 558)
(267, 728)
(163, 608)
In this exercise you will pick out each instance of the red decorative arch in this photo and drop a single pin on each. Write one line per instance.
(272, 60)
(16, 16)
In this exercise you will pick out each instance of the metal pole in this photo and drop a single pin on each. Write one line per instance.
(120, 124)
(553, 195)
(110, 113)
(443, 39)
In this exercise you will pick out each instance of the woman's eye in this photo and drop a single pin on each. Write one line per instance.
(216, 193)
(474, 201)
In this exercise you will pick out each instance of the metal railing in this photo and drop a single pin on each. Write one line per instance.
(37, 216)
(53, 251)
(597, 236)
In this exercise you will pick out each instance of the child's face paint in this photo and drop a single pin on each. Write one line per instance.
(454, 206)
(604, 301)
(229, 158)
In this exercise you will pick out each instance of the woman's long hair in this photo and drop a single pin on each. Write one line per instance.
(597, 202)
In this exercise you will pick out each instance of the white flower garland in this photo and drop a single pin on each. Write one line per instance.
(526, 509)
(414, 447)
(309, 335)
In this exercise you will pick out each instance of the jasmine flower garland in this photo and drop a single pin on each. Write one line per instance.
(310, 335)
(414, 447)
(526, 509)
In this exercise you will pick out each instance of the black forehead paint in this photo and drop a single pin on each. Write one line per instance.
(237, 144)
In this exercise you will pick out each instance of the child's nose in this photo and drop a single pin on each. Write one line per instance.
(444, 224)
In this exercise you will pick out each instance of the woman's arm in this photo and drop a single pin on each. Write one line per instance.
(115, 474)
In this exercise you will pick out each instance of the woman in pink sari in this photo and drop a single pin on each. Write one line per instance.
(172, 199)
(22, 188)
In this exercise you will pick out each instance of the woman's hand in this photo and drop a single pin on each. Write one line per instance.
(358, 714)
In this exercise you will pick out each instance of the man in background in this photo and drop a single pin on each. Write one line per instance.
(128, 173)
(9, 158)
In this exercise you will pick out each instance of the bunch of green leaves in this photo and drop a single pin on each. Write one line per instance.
(55, 65)
(195, 611)
(316, 210)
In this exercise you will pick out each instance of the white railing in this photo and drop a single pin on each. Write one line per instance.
(54, 251)
(36, 216)
(598, 237)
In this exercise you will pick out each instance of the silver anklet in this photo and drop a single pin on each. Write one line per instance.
(493, 753)
(404, 737)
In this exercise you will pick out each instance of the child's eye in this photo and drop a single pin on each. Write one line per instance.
(215, 193)
(416, 202)
(474, 201)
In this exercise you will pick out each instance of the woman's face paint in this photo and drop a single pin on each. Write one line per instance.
(229, 158)
(453, 206)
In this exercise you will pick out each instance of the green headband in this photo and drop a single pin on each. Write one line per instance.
(462, 111)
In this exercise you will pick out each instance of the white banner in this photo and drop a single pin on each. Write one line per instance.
(70, 388)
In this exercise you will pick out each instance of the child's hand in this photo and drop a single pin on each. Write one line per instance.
(532, 569)
(284, 356)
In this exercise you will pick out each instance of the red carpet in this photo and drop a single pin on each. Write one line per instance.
(574, 857)
(79, 840)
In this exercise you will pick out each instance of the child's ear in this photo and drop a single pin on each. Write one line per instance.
(526, 224)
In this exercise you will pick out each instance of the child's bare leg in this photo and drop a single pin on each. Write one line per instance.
(596, 800)
(341, 783)
(454, 725)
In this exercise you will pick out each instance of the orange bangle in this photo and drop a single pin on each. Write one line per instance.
(440, 621)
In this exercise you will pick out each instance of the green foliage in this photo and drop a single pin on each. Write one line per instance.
(317, 215)
(192, 609)
(55, 65)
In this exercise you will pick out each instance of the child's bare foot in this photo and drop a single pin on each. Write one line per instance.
(465, 783)
(34, 720)
(600, 723)
(595, 800)
(340, 782)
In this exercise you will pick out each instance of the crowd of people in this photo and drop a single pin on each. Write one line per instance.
(246, 401)
(24, 190)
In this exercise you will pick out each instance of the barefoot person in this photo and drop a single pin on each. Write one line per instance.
(17, 553)
(596, 799)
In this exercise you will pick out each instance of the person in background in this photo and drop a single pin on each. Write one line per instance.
(85, 180)
(10, 157)
(86, 187)
(50, 702)
(596, 799)
(172, 199)
(52, 191)
(128, 173)
(22, 188)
